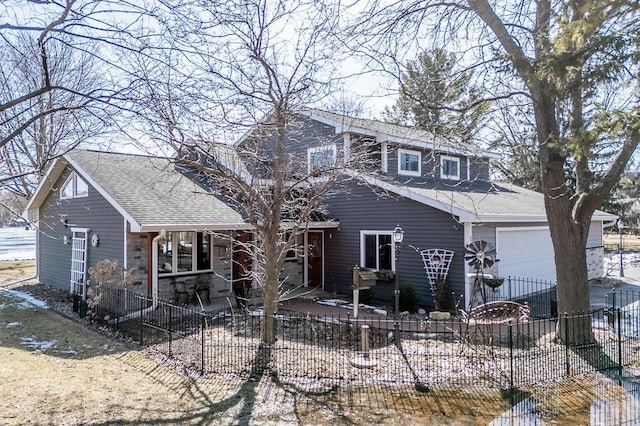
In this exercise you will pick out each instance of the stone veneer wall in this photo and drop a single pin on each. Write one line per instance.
(595, 262)
(292, 273)
(137, 254)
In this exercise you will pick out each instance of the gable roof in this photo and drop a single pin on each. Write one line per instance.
(149, 193)
(388, 132)
(481, 202)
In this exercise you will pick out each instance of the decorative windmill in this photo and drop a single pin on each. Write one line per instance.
(480, 255)
(436, 264)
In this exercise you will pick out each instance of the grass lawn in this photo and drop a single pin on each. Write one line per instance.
(629, 242)
(58, 371)
(16, 269)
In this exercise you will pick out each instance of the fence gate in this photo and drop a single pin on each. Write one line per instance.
(79, 261)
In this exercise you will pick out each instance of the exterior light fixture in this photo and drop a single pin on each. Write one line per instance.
(398, 236)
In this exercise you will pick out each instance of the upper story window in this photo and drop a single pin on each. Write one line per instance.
(184, 252)
(74, 187)
(322, 157)
(409, 162)
(450, 167)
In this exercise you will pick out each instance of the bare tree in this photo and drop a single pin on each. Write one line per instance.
(251, 67)
(575, 63)
(65, 119)
(61, 80)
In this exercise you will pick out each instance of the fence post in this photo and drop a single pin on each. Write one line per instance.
(170, 329)
(396, 334)
(202, 347)
(511, 355)
(141, 319)
(566, 343)
(614, 300)
(619, 314)
(118, 299)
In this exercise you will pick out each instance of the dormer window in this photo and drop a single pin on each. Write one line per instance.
(74, 187)
(450, 167)
(409, 162)
(322, 157)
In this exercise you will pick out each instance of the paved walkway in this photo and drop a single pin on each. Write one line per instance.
(305, 300)
(600, 296)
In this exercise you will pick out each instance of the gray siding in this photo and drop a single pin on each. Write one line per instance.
(301, 133)
(92, 212)
(479, 169)
(424, 228)
(430, 168)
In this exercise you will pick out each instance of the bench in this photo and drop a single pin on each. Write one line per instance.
(498, 311)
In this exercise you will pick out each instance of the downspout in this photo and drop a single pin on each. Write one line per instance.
(154, 269)
(468, 290)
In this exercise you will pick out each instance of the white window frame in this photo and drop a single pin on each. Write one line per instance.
(194, 255)
(73, 180)
(402, 172)
(364, 234)
(444, 158)
(293, 252)
(325, 148)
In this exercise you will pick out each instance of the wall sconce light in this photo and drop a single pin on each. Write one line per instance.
(66, 239)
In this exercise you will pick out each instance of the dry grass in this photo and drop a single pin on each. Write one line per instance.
(58, 371)
(629, 242)
(15, 269)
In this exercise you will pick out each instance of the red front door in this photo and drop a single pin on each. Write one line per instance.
(242, 260)
(315, 249)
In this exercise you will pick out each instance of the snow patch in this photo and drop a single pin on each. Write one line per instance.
(28, 300)
(34, 344)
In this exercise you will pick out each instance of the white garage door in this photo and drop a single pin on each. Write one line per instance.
(526, 253)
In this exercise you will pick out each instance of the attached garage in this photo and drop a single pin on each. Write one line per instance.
(525, 252)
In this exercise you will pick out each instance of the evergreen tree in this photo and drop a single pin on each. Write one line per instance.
(434, 96)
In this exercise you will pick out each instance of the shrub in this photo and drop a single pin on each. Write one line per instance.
(408, 299)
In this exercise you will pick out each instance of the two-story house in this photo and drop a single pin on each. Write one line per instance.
(151, 216)
(440, 193)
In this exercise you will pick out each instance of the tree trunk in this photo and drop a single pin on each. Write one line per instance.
(271, 288)
(572, 281)
(569, 232)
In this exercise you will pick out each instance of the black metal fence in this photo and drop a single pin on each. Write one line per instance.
(321, 352)
(539, 295)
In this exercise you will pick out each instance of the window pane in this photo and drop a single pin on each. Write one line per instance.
(370, 251)
(409, 162)
(384, 252)
(450, 168)
(164, 255)
(67, 190)
(203, 245)
(82, 189)
(185, 247)
(322, 158)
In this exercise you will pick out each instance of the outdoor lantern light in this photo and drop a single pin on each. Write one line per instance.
(621, 246)
(398, 236)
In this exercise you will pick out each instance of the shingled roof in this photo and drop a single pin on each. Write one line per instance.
(476, 202)
(389, 132)
(148, 192)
